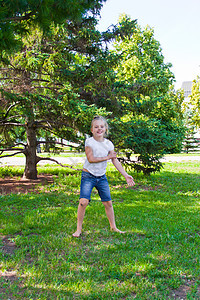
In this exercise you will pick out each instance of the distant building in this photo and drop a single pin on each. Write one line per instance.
(187, 87)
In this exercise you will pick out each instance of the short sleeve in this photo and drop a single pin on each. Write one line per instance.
(86, 142)
(111, 146)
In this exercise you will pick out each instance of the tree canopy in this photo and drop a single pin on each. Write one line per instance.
(151, 122)
(60, 79)
(18, 17)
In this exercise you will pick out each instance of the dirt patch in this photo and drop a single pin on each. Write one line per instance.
(183, 290)
(15, 185)
(8, 245)
(8, 279)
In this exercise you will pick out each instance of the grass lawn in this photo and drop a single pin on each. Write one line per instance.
(157, 258)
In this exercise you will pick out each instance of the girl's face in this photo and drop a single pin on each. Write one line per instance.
(98, 129)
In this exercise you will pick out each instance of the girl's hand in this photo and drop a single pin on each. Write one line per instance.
(129, 180)
(112, 154)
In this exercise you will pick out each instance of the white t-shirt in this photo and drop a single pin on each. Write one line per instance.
(100, 149)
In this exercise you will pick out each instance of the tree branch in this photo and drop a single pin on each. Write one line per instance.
(4, 78)
(11, 148)
(54, 160)
(10, 123)
(55, 142)
(9, 109)
(19, 18)
(14, 117)
(9, 155)
(45, 80)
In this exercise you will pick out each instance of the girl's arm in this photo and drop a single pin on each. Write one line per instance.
(118, 166)
(92, 159)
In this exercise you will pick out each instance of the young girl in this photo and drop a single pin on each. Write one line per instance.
(98, 151)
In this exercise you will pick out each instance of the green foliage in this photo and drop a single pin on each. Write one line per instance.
(54, 83)
(60, 80)
(150, 123)
(40, 86)
(6, 171)
(47, 84)
(18, 17)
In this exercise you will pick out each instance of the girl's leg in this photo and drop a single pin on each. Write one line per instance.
(80, 215)
(111, 217)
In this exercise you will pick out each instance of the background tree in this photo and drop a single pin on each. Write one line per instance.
(41, 87)
(55, 84)
(151, 122)
(18, 17)
(59, 80)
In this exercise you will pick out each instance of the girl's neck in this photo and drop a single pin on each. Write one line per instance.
(100, 139)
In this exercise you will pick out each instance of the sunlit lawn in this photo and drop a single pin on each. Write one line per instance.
(159, 254)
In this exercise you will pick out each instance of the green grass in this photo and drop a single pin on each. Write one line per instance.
(158, 255)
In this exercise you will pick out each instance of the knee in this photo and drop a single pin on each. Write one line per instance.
(107, 204)
(83, 202)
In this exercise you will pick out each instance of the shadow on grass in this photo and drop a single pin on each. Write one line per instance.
(98, 266)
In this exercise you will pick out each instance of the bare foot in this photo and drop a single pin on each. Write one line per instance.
(117, 230)
(77, 233)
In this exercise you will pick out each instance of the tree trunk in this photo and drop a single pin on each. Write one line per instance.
(30, 171)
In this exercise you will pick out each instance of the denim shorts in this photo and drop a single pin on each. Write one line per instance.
(89, 181)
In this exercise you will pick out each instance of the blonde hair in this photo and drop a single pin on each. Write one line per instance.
(96, 118)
